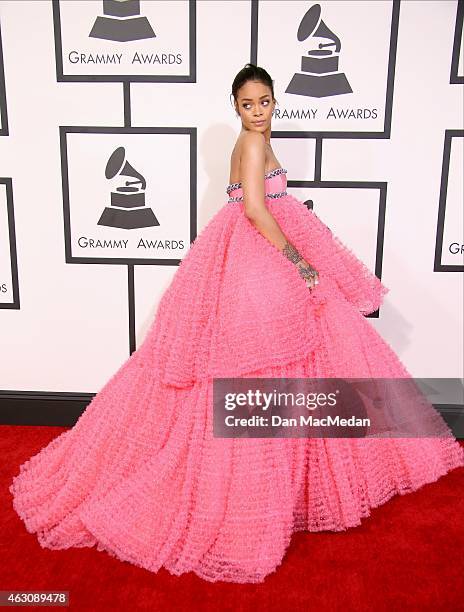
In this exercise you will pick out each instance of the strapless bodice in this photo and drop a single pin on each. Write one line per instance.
(275, 184)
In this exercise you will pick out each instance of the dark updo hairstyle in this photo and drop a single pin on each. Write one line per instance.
(251, 72)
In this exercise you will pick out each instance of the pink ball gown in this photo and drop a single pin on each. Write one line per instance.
(141, 476)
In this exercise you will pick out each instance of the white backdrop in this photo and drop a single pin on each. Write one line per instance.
(64, 305)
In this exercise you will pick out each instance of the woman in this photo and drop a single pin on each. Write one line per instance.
(266, 290)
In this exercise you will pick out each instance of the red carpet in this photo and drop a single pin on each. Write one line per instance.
(407, 555)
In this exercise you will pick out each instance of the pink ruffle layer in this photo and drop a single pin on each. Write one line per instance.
(141, 475)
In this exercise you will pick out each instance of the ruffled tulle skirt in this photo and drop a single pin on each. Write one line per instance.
(141, 474)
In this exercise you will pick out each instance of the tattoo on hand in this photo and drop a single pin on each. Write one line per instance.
(307, 272)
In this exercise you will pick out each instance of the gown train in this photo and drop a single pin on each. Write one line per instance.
(141, 476)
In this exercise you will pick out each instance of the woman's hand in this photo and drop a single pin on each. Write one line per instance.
(308, 273)
(305, 270)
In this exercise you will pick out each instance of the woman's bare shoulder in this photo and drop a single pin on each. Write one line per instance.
(247, 138)
(249, 142)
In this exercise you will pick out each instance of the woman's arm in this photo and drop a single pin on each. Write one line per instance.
(252, 167)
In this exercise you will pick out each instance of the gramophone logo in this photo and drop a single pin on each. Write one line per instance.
(122, 22)
(320, 76)
(127, 210)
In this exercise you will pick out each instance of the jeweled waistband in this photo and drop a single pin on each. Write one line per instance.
(277, 194)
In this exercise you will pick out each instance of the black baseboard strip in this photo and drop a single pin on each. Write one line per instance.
(63, 409)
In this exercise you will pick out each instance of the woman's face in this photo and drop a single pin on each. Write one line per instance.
(255, 104)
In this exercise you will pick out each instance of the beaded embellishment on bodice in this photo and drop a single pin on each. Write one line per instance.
(270, 184)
